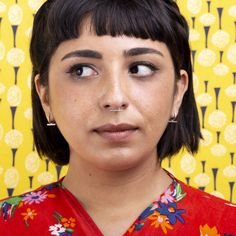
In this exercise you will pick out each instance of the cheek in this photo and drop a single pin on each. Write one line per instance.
(157, 101)
(157, 117)
(71, 118)
(156, 107)
(68, 108)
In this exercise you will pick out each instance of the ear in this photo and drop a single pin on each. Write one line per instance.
(181, 88)
(43, 96)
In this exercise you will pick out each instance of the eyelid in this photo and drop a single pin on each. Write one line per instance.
(76, 66)
(145, 63)
(150, 66)
(72, 71)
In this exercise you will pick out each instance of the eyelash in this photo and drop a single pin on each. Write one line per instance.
(74, 68)
(152, 67)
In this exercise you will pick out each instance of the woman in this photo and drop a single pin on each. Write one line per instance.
(112, 97)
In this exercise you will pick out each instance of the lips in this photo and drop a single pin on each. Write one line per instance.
(118, 132)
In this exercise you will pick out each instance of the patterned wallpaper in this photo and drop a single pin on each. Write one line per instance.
(213, 42)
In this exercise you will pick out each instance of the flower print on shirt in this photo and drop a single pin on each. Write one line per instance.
(178, 194)
(167, 196)
(34, 197)
(68, 222)
(207, 231)
(8, 207)
(57, 229)
(160, 221)
(29, 214)
(164, 212)
(171, 212)
(64, 225)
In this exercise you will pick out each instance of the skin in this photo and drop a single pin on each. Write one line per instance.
(123, 164)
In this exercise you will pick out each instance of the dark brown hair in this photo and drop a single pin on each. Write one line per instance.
(159, 20)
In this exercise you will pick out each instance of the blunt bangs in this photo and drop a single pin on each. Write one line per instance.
(133, 18)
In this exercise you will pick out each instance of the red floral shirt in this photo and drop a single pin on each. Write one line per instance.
(180, 210)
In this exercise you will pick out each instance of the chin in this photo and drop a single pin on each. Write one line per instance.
(120, 163)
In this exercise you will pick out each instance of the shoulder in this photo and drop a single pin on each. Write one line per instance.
(201, 197)
(207, 211)
(9, 207)
(50, 209)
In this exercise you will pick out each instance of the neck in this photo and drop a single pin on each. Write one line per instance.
(95, 187)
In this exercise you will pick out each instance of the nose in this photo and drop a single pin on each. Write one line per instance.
(114, 96)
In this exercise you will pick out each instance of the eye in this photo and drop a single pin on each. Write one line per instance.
(142, 69)
(81, 71)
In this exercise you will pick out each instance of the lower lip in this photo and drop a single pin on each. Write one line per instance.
(117, 136)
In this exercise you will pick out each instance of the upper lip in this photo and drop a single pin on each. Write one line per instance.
(115, 128)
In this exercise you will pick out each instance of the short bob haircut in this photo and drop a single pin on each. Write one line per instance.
(158, 20)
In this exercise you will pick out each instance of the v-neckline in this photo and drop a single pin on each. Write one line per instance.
(91, 223)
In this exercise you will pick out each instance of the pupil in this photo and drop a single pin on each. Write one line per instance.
(134, 69)
(79, 71)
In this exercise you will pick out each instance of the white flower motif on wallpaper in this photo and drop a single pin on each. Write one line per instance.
(15, 14)
(11, 177)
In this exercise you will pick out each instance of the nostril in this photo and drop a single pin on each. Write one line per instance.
(115, 107)
(124, 106)
(107, 106)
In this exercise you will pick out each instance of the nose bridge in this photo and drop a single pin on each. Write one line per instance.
(116, 85)
(114, 90)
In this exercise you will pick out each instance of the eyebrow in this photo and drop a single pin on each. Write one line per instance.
(127, 53)
(83, 53)
(140, 51)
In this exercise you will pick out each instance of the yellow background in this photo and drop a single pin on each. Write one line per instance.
(213, 42)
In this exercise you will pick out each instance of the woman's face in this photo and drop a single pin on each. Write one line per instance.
(92, 76)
